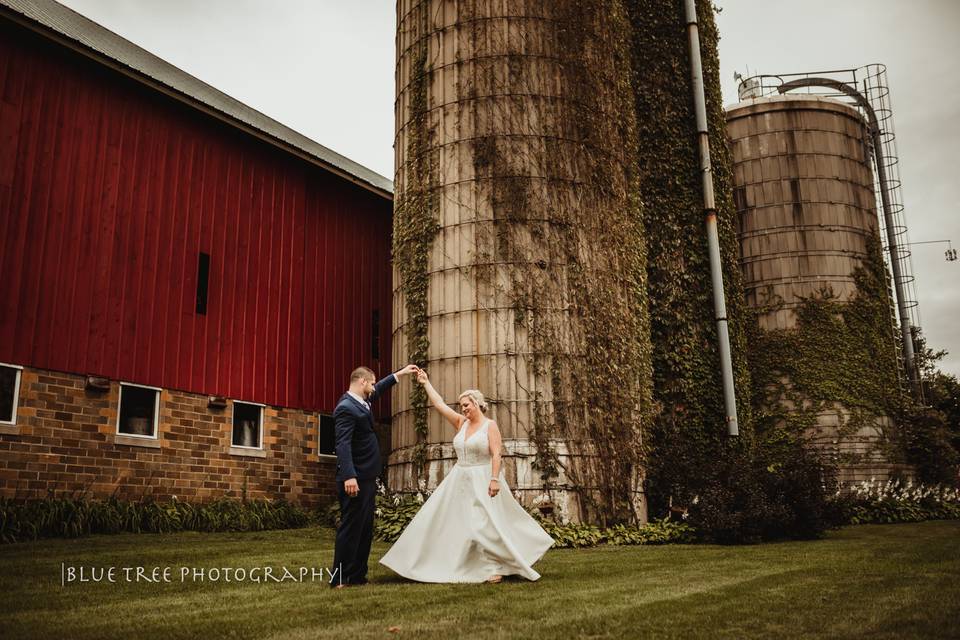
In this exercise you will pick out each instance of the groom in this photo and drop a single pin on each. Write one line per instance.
(358, 465)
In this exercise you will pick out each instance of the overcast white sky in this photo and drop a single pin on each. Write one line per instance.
(326, 69)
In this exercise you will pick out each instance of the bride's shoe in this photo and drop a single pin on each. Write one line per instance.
(494, 579)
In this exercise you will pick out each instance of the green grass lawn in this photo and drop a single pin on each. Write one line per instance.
(890, 581)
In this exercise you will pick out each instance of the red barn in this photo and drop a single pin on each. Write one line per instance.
(185, 284)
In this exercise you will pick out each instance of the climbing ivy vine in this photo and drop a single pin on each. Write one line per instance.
(415, 226)
(568, 241)
(690, 431)
(840, 356)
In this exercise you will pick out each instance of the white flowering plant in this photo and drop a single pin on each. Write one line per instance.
(877, 501)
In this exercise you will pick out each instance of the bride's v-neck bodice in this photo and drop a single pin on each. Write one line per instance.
(475, 450)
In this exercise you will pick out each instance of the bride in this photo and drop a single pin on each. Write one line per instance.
(471, 529)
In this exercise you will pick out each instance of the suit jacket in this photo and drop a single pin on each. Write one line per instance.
(358, 453)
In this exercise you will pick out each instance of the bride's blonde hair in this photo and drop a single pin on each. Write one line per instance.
(477, 398)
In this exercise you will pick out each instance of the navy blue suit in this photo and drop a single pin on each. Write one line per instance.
(358, 456)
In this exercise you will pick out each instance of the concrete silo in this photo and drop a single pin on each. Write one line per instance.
(808, 228)
(518, 251)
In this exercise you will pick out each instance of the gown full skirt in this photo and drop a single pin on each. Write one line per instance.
(461, 534)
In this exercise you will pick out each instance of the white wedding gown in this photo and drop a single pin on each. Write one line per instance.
(461, 534)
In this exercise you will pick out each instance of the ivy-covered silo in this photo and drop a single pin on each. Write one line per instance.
(824, 357)
(519, 245)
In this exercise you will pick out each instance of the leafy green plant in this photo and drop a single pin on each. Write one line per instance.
(74, 516)
(928, 440)
(769, 493)
(572, 535)
(663, 531)
(392, 519)
(575, 535)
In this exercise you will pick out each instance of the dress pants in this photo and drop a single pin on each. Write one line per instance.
(354, 534)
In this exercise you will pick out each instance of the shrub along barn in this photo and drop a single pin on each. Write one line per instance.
(185, 284)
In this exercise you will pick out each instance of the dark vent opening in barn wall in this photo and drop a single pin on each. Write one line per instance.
(203, 281)
(375, 333)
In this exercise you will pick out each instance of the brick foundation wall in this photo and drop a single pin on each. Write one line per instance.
(65, 439)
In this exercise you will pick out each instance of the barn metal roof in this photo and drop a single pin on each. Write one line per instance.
(68, 27)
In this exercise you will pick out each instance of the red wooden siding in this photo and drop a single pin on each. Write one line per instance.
(108, 193)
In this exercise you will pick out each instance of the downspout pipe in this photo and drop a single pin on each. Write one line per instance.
(710, 213)
(906, 329)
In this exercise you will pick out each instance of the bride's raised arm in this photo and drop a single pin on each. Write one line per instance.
(452, 416)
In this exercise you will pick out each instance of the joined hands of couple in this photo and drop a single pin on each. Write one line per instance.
(421, 374)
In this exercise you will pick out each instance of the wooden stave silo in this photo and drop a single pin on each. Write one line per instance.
(807, 216)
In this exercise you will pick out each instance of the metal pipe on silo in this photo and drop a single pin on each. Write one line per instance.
(710, 211)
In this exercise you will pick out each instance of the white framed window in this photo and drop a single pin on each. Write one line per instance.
(9, 392)
(139, 412)
(247, 425)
